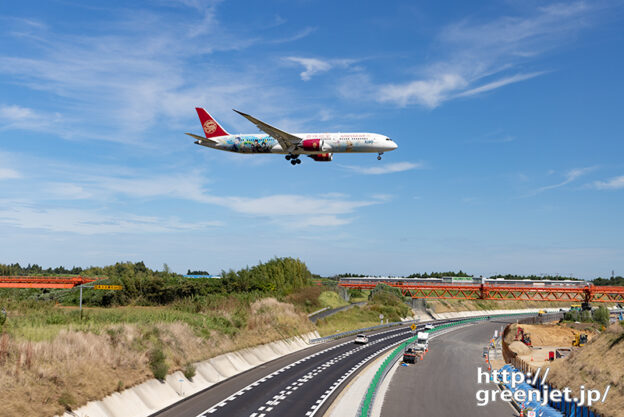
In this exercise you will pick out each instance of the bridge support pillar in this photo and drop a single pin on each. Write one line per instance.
(343, 293)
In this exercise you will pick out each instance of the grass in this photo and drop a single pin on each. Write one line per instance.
(388, 303)
(46, 348)
(351, 319)
(331, 299)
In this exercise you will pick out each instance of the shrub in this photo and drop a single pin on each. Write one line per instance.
(189, 371)
(66, 400)
(157, 364)
(601, 315)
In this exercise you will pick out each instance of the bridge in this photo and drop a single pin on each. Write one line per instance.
(497, 292)
(43, 281)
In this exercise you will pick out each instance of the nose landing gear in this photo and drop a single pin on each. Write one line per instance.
(379, 156)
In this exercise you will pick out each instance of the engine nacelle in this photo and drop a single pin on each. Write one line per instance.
(322, 157)
(315, 145)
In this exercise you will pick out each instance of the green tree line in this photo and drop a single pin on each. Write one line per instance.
(144, 286)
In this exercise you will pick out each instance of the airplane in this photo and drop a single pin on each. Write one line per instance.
(318, 146)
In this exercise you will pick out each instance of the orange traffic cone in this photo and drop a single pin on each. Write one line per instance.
(522, 412)
(422, 356)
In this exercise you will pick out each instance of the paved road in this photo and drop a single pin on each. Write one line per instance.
(332, 311)
(301, 384)
(444, 384)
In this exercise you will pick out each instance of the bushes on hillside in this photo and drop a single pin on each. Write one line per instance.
(144, 286)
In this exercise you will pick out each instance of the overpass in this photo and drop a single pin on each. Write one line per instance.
(43, 281)
(534, 291)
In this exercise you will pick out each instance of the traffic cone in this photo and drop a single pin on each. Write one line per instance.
(422, 356)
(522, 412)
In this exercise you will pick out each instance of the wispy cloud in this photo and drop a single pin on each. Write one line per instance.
(612, 184)
(386, 168)
(8, 174)
(477, 57)
(500, 83)
(570, 176)
(89, 222)
(127, 78)
(314, 66)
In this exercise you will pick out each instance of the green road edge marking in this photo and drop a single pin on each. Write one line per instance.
(374, 385)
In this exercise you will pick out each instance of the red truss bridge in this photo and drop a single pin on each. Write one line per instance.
(498, 292)
(43, 282)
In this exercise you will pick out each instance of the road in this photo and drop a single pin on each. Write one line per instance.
(332, 311)
(444, 384)
(301, 384)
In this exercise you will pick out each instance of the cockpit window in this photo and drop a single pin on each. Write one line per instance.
(387, 138)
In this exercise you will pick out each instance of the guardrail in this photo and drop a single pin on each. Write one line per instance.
(366, 405)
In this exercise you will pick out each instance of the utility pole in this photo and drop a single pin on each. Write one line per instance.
(81, 303)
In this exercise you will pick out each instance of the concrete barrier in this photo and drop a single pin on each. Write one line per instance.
(150, 396)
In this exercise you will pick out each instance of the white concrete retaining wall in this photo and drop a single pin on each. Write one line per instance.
(153, 395)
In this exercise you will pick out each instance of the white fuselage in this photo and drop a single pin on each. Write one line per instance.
(312, 143)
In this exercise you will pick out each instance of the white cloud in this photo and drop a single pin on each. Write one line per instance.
(570, 176)
(89, 222)
(476, 56)
(386, 168)
(612, 184)
(288, 210)
(499, 83)
(315, 66)
(429, 93)
(9, 174)
(125, 78)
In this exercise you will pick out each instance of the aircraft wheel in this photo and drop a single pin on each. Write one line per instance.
(298, 161)
(293, 162)
(379, 158)
(288, 157)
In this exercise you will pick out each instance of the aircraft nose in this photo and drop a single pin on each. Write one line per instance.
(393, 145)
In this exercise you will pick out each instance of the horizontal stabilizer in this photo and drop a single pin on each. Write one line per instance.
(202, 139)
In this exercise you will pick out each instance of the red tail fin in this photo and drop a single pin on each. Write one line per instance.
(210, 125)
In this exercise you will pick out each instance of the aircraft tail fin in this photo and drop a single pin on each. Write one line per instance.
(211, 127)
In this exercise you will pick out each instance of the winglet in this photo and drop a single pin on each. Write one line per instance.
(211, 127)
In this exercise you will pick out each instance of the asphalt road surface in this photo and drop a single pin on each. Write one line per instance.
(300, 384)
(444, 384)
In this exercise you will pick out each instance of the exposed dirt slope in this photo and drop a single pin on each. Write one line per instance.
(547, 334)
(598, 364)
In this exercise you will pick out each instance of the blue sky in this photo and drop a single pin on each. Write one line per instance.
(508, 116)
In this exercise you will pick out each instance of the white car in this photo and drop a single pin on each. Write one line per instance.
(429, 326)
(361, 339)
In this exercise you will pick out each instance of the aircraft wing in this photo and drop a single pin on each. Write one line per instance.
(286, 140)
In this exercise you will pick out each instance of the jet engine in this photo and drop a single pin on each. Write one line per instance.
(315, 145)
(322, 157)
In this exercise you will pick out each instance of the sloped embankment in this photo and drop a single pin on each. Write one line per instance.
(76, 365)
(598, 364)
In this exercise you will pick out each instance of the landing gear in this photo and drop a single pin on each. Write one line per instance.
(379, 156)
(294, 159)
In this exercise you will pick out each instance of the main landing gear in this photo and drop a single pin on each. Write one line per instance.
(294, 159)
(379, 156)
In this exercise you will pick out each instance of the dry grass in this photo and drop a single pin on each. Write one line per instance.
(43, 378)
(598, 364)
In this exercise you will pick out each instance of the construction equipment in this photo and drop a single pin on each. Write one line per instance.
(522, 336)
(579, 340)
(575, 307)
(409, 356)
(541, 313)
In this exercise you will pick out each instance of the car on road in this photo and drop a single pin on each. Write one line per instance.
(429, 326)
(361, 339)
